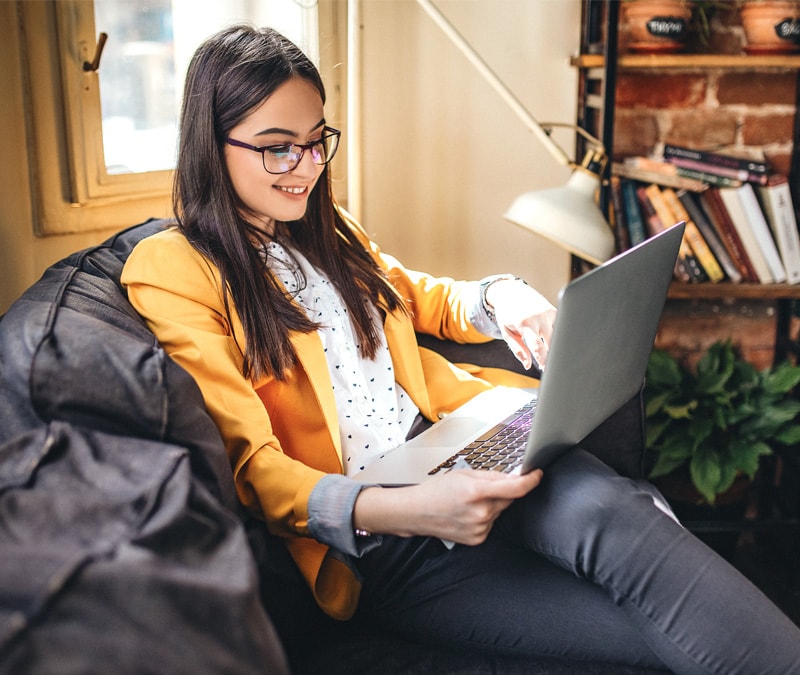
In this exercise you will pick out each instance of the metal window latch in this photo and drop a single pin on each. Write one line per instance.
(98, 52)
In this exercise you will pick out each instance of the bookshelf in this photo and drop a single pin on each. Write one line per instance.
(598, 65)
(690, 61)
(728, 291)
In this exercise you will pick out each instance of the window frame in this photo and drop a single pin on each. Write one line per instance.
(62, 149)
(89, 179)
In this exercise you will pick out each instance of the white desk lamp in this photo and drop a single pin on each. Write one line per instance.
(567, 215)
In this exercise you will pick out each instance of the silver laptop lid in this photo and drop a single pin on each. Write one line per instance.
(604, 333)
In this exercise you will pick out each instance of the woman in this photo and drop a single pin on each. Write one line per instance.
(309, 366)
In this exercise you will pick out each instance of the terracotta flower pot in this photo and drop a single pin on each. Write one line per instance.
(657, 26)
(771, 26)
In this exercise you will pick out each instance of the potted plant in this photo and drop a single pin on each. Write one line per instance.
(703, 12)
(657, 26)
(714, 423)
(771, 26)
(667, 26)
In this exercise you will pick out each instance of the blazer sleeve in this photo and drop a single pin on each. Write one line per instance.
(177, 291)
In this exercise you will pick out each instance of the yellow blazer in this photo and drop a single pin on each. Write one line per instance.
(283, 436)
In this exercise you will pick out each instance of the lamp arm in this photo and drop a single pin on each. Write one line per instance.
(596, 142)
(595, 158)
(489, 75)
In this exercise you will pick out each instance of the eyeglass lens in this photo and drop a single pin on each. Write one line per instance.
(282, 159)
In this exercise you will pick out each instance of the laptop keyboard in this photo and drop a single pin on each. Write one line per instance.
(502, 448)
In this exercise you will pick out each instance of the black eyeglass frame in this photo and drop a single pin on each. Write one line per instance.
(328, 132)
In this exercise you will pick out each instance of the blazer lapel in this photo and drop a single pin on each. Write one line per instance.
(405, 358)
(312, 359)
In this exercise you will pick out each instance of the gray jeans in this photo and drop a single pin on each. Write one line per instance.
(585, 567)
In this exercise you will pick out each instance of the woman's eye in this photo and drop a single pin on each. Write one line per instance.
(279, 150)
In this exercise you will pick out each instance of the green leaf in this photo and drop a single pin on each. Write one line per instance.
(682, 411)
(789, 435)
(672, 452)
(663, 370)
(655, 402)
(665, 465)
(783, 379)
(745, 456)
(766, 422)
(706, 474)
(712, 383)
(653, 432)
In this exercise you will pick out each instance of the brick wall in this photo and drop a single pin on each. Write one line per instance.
(747, 111)
(689, 327)
(752, 112)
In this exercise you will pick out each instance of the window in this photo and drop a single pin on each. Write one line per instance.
(141, 78)
(103, 143)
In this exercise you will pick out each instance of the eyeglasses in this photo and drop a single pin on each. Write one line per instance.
(283, 158)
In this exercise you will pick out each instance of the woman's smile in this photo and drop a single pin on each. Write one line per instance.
(299, 191)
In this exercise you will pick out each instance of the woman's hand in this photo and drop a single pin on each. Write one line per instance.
(459, 506)
(525, 318)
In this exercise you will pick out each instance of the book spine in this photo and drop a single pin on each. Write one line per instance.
(710, 235)
(736, 213)
(741, 175)
(659, 219)
(715, 210)
(621, 231)
(659, 178)
(702, 251)
(706, 177)
(716, 159)
(758, 225)
(776, 199)
(633, 214)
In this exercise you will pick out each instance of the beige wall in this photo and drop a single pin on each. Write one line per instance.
(443, 156)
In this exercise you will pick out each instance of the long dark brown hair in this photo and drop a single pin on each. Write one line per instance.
(231, 74)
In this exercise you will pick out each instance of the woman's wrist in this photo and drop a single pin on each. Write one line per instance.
(383, 511)
(491, 288)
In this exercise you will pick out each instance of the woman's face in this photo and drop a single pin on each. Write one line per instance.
(292, 114)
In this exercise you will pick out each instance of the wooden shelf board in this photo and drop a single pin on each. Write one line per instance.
(722, 291)
(688, 61)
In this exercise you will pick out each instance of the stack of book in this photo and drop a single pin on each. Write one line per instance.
(741, 223)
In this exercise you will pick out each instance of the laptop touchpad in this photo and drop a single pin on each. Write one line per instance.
(450, 431)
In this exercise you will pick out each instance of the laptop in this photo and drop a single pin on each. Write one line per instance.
(604, 333)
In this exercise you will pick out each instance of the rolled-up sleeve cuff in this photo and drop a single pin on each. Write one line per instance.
(330, 515)
(476, 309)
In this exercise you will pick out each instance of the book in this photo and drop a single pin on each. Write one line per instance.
(698, 245)
(657, 177)
(621, 231)
(718, 216)
(742, 168)
(741, 223)
(758, 224)
(658, 218)
(674, 170)
(738, 175)
(778, 207)
(633, 213)
(710, 235)
(706, 177)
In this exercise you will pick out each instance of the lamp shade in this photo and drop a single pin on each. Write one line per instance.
(569, 216)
